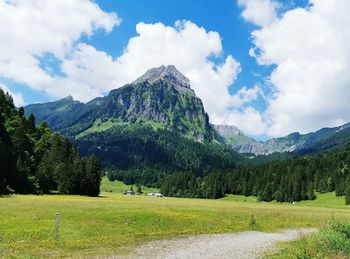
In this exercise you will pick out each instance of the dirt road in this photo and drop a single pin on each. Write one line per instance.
(237, 245)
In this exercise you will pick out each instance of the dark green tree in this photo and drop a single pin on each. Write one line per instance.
(90, 182)
(347, 193)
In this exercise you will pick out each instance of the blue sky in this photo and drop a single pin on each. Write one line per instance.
(90, 50)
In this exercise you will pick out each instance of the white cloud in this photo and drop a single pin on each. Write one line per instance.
(246, 95)
(259, 12)
(89, 73)
(30, 29)
(17, 97)
(310, 48)
(250, 121)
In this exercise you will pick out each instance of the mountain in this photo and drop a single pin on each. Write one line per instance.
(161, 98)
(57, 114)
(230, 135)
(143, 130)
(297, 143)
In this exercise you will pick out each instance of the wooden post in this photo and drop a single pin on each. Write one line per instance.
(57, 221)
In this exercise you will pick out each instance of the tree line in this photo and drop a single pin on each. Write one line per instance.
(36, 160)
(288, 180)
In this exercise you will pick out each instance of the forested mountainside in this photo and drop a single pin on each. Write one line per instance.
(161, 98)
(34, 159)
(144, 155)
(291, 179)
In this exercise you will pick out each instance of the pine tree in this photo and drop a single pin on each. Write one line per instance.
(139, 189)
(311, 192)
(347, 193)
(91, 179)
(30, 123)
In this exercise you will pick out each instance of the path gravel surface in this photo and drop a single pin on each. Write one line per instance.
(236, 245)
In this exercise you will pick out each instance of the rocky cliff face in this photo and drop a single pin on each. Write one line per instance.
(165, 73)
(161, 98)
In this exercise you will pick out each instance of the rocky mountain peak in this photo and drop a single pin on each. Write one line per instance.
(227, 130)
(67, 98)
(167, 73)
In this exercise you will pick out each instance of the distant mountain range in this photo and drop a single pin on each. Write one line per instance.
(162, 99)
(297, 143)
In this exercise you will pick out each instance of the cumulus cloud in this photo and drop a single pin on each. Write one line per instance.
(31, 29)
(311, 80)
(249, 120)
(246, 95)
(259, 12)
(88, 73)
(17, 97)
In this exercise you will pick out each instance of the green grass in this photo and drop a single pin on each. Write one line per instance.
(118, 187)
(326, 200)
(112, 224)
(239, 198)
(99, 126)
(323, 200)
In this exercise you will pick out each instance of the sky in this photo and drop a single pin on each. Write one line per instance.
(269, 67)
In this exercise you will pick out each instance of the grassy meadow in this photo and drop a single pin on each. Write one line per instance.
(113, 223)
(117, 187)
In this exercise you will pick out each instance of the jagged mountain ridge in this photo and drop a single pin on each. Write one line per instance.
(166, 73)
(322, 139)
(161, 98)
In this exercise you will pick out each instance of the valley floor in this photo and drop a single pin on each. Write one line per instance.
(115, 224)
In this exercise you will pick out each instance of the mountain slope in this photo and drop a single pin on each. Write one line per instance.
(57, 114)
(340, 138)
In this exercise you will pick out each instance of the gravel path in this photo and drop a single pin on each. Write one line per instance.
(237, 245)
